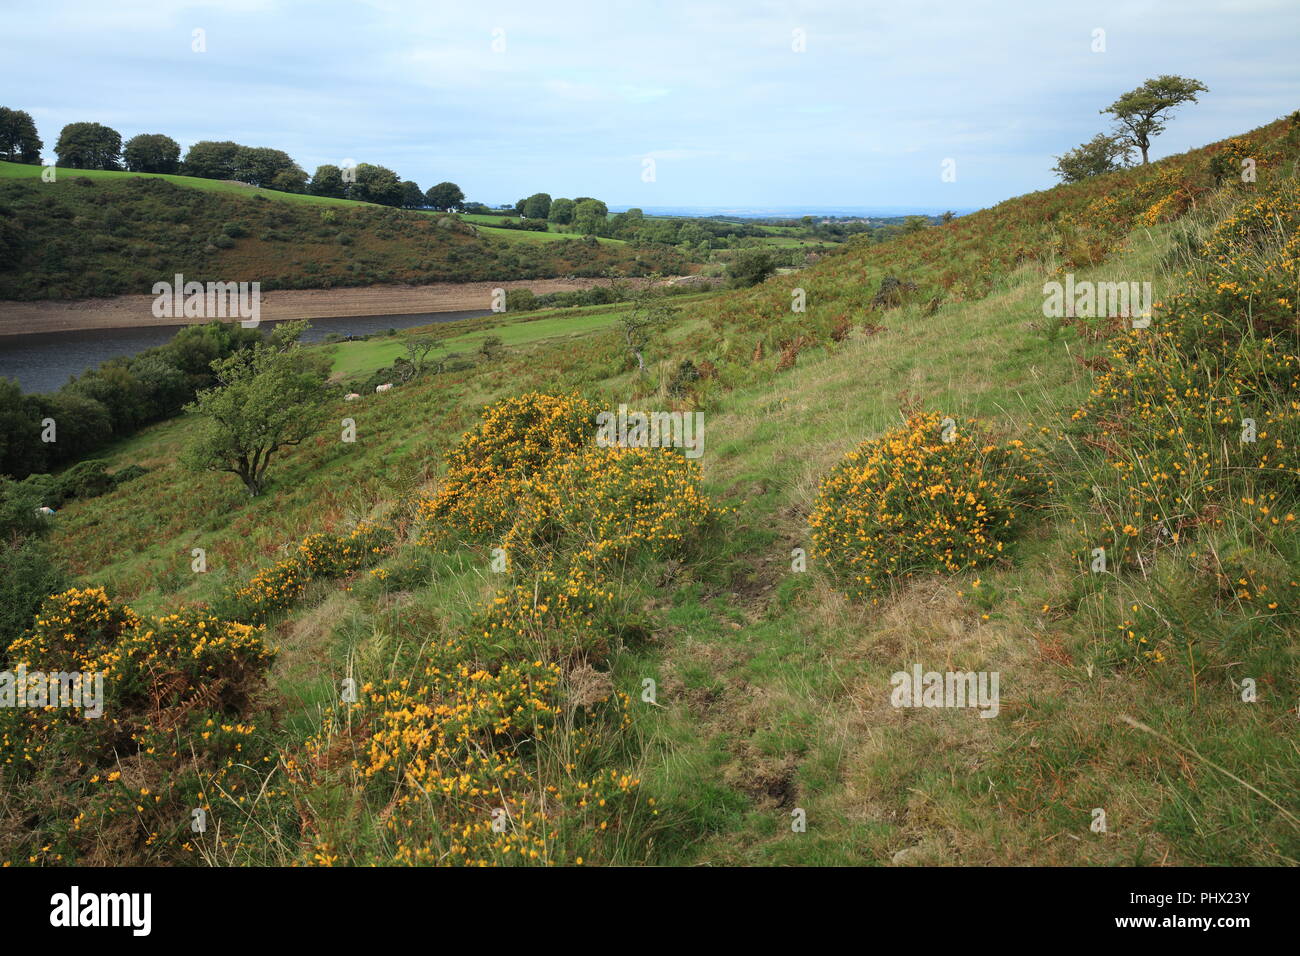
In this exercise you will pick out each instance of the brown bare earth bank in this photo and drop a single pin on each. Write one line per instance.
(130, 311)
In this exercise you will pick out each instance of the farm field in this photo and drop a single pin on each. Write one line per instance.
(356, 358)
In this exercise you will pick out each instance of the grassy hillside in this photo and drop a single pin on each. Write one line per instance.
(113, 233)
(360, 358)
(1121, 689)
(492, 224)
(23, 171)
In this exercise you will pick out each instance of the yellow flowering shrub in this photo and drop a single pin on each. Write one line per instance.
(71, 628)
(910, 502)
(552, 615)
(321, 555)
(272, 589)
(604, 504)
(1201, 410)
(171, 664)
(497, 749)
(492, 465)
(331, 555)
(455, 756)
(171, 733)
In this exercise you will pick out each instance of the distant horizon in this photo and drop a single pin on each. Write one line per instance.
(757, 211)
(702, 101)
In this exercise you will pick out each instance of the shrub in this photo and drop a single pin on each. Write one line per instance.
(85, 479)
(521, 300)
(28, 575)
(18, 503)
(330, 555)
(750, 267)
(121, 790)
(72, 629)
(683, 377)
(909, 502)
(603, 505)
(272, 589)
(129, 473)
(492, 465)
(1203, 407)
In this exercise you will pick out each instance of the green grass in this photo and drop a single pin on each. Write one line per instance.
(360, 358)
(552, 234)
(773, 687)
(21, 171)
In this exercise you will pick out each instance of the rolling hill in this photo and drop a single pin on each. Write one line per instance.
(106, 233)
(654, 677)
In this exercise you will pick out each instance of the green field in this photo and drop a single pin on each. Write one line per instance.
(360, 358)
(552, 233)
(21, 171)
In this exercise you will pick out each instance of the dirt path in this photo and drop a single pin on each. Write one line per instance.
(129, 311)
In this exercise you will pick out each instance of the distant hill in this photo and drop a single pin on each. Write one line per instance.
(103, 233)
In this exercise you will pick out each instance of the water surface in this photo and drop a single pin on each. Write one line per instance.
(43, 361)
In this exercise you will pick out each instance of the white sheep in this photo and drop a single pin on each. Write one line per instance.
(383, 388)
(351, 397)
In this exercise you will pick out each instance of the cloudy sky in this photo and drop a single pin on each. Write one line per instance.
(572, 97)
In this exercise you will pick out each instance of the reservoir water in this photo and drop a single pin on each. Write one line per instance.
(43, 361)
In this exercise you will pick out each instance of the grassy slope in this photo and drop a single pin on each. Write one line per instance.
(109, 233)
(776, 687)
(25, 172)
(22, 171)
(361, 358)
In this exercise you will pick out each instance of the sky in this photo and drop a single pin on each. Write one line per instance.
(746, 103)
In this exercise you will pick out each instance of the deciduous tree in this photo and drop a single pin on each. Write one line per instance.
(1142, 113)
(18, 140)
(152, 153)
(1101, 154)
(89, 146)
(266, 399)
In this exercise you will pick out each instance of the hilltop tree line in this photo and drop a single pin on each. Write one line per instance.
(97, 147)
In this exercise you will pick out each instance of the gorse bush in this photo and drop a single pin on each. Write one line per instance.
(272, 589)
(910, 502)
(495, 744)
(562, 617)
(329, 555)
(603, 504)
(174, 735)
(1197, 418)
(492, 465)
(455, 751)
(323, 555)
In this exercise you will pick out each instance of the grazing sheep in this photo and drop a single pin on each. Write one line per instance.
(44, 512)
(383, 388)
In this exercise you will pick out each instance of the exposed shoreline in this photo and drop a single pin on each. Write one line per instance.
(135, 311)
